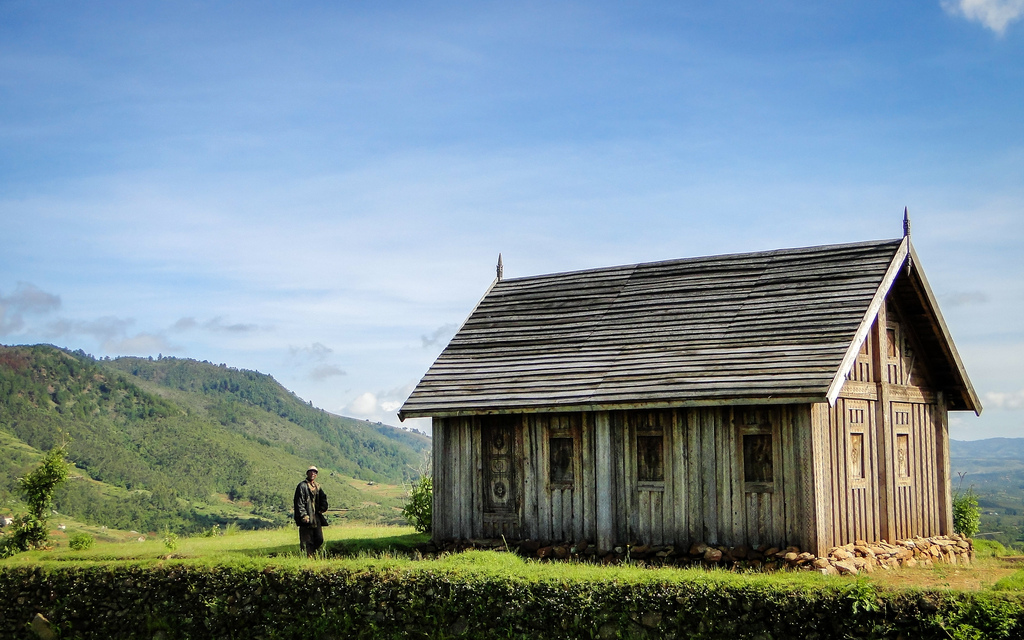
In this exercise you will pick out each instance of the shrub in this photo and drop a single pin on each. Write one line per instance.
(419, 509)
(170, 540)
(966, 515)
(80, 541)
(31, 531)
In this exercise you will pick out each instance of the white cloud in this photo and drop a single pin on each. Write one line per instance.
(1000, 400)
(364, 406)
(379, 407)
(994, 14)
(26, 299)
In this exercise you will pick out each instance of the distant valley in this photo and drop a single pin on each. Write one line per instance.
(995, 469)
(184, 445)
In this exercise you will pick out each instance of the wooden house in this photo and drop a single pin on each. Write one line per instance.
(793, 397)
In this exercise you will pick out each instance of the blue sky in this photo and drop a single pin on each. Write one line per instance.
(320, 190)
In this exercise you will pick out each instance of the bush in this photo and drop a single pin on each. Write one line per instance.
(80, 541)
(419, 510)
(989, 549)
(966, 515)
(170, 540)
(31, 531)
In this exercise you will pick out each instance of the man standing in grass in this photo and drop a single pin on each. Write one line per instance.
(310, 507)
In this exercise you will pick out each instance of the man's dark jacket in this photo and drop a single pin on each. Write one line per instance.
(304, 506)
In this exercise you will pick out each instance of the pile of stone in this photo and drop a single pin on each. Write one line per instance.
(849, 559)
(860, 556)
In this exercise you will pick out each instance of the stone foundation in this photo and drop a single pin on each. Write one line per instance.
(850, 559)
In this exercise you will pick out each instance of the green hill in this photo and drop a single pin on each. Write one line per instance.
(157, 441)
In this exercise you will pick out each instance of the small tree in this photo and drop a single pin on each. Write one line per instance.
(31, 531)
(419, 509)
(966, 514)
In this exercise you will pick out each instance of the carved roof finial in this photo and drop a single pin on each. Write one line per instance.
(500, 268)
(906, 223)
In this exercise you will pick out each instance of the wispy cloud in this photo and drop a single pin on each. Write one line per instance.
(964, 298)
(27, 299)
(444, 331)
(216, 325)
(1001, 400)
(113, 335)
(994, 14)
(316, 351)
(325, 371)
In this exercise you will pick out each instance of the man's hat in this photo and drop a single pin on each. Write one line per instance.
(312, 468)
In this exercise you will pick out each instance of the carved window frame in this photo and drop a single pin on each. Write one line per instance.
(755, 428)
(561, 428)
(858, 442)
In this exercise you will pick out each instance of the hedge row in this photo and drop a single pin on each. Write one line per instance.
(230, 602)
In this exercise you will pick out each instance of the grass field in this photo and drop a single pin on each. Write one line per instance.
(388, 547)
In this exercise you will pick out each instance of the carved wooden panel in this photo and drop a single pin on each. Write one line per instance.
(903, 455)
(857, 455)
(499, 468)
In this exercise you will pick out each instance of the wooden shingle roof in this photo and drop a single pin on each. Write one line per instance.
(773, 326)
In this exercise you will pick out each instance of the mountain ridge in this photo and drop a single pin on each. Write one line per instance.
(163, 434)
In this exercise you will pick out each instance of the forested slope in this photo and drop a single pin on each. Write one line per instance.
(159, 435)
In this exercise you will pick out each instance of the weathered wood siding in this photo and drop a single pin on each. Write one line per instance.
(655, 477)
(885, 445)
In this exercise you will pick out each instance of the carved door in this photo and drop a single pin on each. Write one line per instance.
(500, 486)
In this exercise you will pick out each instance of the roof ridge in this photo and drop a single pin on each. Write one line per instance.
(717, 256)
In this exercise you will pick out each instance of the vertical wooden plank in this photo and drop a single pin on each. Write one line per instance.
(733, 458)
(580, 482)
(750, 527)
(657, 517)
(466, 483)
(668, 504)
(916, 475)
(586, 515)
(451, 460)
(695, 475)
(455, 456)
(477, 483)
(945, 479)
(544, 500)
(833, 490)
(631, 514)
(642, 529)
(790, 490)
(604, 471)
(680, 534)
(622, 485)
(528, 505)
(821, 534)
(723, 476)
(438, 462)
(777, 497)
(709, 471)
(556, 534)
(803, 492)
